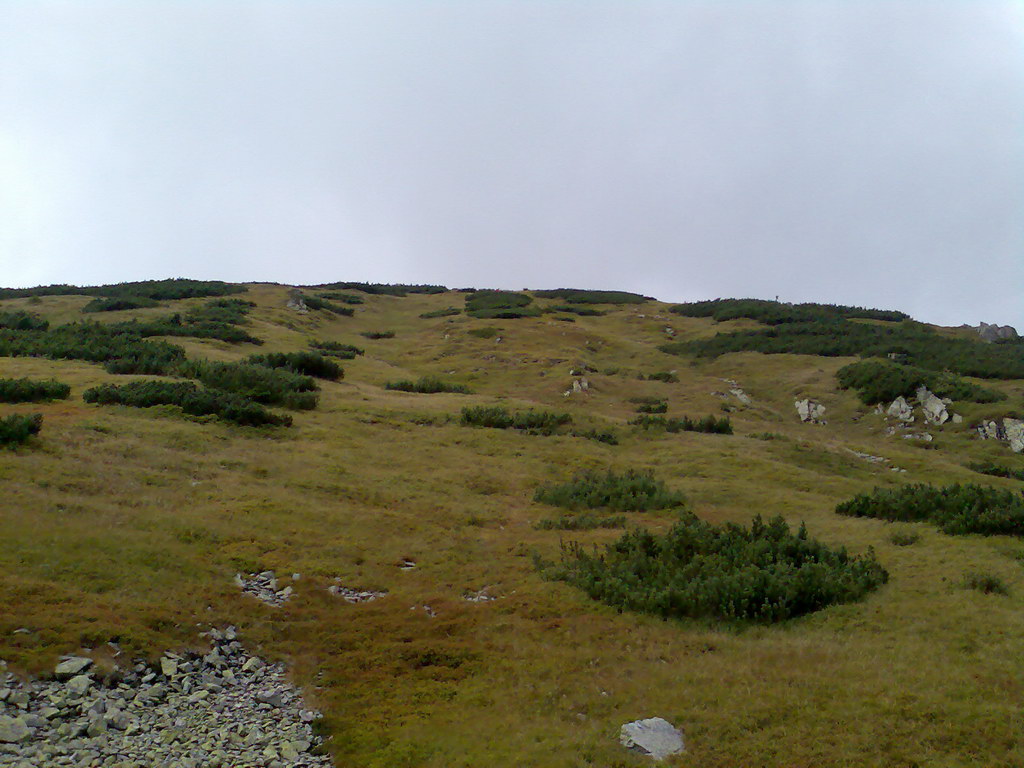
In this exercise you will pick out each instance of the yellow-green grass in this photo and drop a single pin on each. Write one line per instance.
(127, 525)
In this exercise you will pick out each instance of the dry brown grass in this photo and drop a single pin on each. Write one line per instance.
(127, 525)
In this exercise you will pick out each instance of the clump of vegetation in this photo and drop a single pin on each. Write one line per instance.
(119, 348)
(575, 310)
(709, 424)
(631, 491)
(484, 333)
(161, 290)
(229, 311)
(955, 509)
(776, 313)
(882, 382)
(22, 321)
(336, 349)
(996, 470)
(269, 386)
(115, 304)
(500, 304)
(315, 302)
(580, 296)
(428, 385)
(496, 417)
(378, 334)
(646, 400)
(766, 436)
(447, 312)
(698, 570)
(383, 289)
(29, 391)
(986, 583)
(667, 376)
(304, 363)
(658, 407)
(18, 428)
(904, 538)
(344, 298)
(190, 398)
(587, 521)
(606, 436)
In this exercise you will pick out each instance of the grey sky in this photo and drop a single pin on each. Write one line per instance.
(857, 152)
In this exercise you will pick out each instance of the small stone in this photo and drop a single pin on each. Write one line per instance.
(169, 667)
(77, 686)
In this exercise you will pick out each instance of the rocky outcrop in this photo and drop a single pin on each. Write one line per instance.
(1008, 430)
(933, 408)
(296, 301)
(655, 737)
(901, 410)
(996, 332)
(264, 586)
(810, 411)
(225, 708)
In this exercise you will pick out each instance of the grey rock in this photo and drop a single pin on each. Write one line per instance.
(71, 667)
(1014, 430)
(78, 686)
(933, 407)
(296, 301)
(810, 411)
(900, 410)
(996, 332)
(169, 667)
(654, 736)
(14, 730)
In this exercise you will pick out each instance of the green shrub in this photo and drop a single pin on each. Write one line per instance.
(986, 583)
(175, 325)
(269, 386)
(484, 333)
(709, 424)
(777, 313)
(768, 436)
(996, 470)
(378, 334)
(647, 400)
(606, 436)
(661, 407)
(344, 298)
(229, 311)
(762, 574)
(575, 310)
(336, 349)
(631, 491)
(115, 304)
(955, 509)
(579, 296)
(667, 376)
(586, 521)
(500, 304)
(17, 428)
(383, 289)
(496, 417)
(190, 398)
(447, 312)
(161, 290)
(315, 302)
(304, 363)
(883, 382)
(22, 321)
(29, 391)
(427, 385)
(904, 538)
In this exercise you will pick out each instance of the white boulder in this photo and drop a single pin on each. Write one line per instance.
(654, 736)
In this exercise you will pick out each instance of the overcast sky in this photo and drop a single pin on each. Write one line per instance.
(857, 152)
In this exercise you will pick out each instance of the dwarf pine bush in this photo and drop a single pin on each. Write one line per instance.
(427, 385)
(23, 321)
(587, 521)
(996, 470)
(446, 312)
(882, 382)
(115, 304)
(29, 391)
(709, 424)
(336, 349)
(17, 428)
(120, 349)
(304, 363)
(190, 398)
(496, 417)
(269, 386)
(764, 573)
(500, 304)
(378, 334)
(630, 491)
(955, 509)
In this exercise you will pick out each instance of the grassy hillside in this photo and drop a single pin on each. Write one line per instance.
(127, 525)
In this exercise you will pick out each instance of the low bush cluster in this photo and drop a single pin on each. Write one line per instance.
(667, 376)
(303, 363)
(29, 391)
(955, 509)
(496, 417)
(762, 574)
(22, 321)
(882, 382)
(344, 298)
(336, 349)
(575, 310)
(776, 313)
(709, 424)
(114, 304)
(446, 312)
(996, 470)
(500, 304)
(161, 290)
(17, 428)
(378, 334)
(428, 385)
(119, 349)
(986, 583)
(630, 491)
(190, 398)
(269, 386)
(315, 302)
(606, 436)
(382, 289)
(659, 407)
(581, 296)
(586, 521)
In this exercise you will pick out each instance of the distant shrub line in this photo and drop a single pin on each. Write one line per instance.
(580, 296)
(29, 391)
(500, 304)
(190, 398)
(496, 417)
(160, 290)
(776, 313)
(382, 289)
(882, 382)
(17, 428)
(427, 385)
(996, 470)
(709, 424)
(955, 509)
(698, 570)
(115, 304)
(630, 491)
